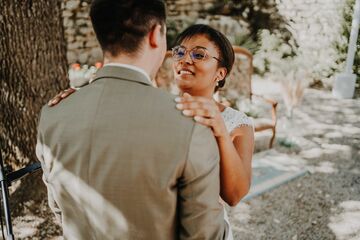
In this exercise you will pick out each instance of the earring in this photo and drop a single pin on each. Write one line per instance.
(217, 83)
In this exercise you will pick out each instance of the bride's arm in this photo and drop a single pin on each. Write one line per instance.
(235, 164)
(235, 150)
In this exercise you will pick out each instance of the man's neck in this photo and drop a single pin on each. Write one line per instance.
(123, 59)
(139, 63)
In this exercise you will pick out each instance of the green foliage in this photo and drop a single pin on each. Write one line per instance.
(269, 36)
(287, 143)
(174, 27)
(256, 15)
(171, 33)
(274, 54)
(260, 14)
(246, 41)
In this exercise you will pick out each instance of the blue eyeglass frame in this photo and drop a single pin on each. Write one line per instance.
(191, 56)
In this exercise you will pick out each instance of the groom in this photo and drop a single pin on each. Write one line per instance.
(119, 160)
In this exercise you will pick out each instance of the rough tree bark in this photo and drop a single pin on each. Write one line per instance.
(33, 68)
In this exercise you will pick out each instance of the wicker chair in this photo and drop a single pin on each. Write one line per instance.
(237, 87)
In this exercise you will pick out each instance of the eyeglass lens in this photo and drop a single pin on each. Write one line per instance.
(196, 54)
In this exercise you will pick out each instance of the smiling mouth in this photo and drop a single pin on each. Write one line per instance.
(185, 72)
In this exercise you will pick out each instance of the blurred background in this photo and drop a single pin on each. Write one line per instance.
(290, 53)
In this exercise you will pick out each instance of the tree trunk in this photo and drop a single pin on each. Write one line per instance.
(33, 69)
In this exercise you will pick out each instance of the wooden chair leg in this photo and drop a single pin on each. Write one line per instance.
(272, 138)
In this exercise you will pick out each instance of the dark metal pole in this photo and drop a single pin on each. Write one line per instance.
(5, 198)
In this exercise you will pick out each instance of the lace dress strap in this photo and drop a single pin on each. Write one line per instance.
(234, 119)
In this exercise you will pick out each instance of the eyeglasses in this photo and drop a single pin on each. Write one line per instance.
(196, 54)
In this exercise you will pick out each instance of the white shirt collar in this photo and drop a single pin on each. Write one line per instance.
(132, 67)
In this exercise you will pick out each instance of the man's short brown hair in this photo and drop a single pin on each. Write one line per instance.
(121, 25)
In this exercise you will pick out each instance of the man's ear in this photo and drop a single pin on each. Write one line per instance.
(155, 36)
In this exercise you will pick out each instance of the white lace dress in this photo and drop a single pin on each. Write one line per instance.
(234, 119)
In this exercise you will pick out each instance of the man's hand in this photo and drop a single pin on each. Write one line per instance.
(59, 97)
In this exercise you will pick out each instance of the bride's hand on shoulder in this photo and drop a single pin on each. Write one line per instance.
(204, 111)
(60, 96)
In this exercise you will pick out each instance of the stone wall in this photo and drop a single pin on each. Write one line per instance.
(82, 44)
(315, 25)
(188, 8)
(81, 41)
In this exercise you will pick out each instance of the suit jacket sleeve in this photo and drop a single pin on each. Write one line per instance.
(201, 214)
(40, 148)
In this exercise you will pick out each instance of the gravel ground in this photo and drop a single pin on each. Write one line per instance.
(310, 207)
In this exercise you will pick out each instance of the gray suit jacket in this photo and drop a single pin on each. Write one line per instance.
(121, 162)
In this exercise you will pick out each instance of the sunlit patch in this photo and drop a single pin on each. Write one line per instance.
(323, 129)
(240, 213)
(334, 134)
(312, 153)
(327, 151)
(239, 217)
(346, 225)
(279, 161)
(80, 202)
(323, 167)
(27, 226)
